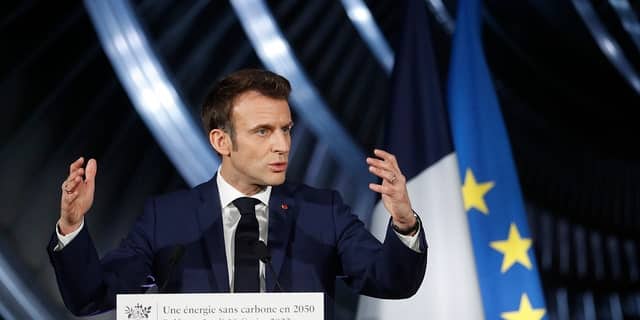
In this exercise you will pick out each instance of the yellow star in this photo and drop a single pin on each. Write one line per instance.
(525, 312)
(514, 249)
(473, 192)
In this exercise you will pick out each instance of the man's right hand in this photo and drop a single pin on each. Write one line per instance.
(77, 195)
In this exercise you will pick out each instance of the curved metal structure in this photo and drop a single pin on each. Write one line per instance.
(153, 95)
(628, 18)
(361, 18)
(607, 44)
(442, 15)
(18, 301)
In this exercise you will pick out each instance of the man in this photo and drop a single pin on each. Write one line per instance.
(312, 235)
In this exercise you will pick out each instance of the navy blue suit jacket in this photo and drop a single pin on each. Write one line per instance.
(313, 238)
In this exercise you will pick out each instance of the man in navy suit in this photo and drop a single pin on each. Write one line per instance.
(312, 236)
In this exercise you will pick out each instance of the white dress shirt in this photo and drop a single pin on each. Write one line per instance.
(230, 219)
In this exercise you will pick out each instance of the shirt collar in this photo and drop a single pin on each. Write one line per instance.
(228, 193)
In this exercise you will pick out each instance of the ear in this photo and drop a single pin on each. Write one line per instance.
(220, 141)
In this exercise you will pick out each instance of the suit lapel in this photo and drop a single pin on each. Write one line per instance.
(282, 213)
(210, 218)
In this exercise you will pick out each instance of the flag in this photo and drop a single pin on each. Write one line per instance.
(418, 134)
(502, 243)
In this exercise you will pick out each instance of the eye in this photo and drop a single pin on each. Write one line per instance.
(262, 131)
(287, 129)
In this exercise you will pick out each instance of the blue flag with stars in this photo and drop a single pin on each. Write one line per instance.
(502, 245)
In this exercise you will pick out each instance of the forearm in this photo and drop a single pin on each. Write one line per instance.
(78, 272)
(397, 270)
(89, 285)
(391, 270)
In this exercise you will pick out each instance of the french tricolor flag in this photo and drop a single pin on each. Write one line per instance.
(418, 134)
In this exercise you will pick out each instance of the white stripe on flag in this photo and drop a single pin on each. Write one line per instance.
(450, 289)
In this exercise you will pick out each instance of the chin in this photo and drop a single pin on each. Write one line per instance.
(277, 179)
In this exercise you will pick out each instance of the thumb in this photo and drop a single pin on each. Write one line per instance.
(90, 171)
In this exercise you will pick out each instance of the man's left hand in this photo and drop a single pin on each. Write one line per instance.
(393, 188)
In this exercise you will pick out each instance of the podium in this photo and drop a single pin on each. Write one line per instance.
(221, 306)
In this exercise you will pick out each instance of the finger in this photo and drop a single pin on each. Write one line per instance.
(381, 164)
(92, 169)
(73, 176)
(387, 157)
(70, 185)
(77, 173)
(392, 173)
(381, 189)
(76, 164)
(375, 187)
(384, 174)
(68, 198)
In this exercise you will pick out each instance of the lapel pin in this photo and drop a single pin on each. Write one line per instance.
(284, 206)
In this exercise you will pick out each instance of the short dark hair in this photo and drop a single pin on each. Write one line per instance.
(218, 104)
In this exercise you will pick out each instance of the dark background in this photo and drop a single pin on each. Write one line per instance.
(570, 115)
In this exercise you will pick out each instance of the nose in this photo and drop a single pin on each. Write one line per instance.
(281, 142)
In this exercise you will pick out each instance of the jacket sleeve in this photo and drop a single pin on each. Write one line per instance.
(388, 270)
(88, 284)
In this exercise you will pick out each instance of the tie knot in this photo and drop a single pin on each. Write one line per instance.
(246, 205)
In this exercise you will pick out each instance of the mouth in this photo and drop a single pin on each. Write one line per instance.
(278, 166)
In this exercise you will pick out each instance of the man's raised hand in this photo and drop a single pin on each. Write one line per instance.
(393, 188)
(77, 195)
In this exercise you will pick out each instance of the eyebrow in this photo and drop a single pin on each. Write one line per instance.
(268, 126)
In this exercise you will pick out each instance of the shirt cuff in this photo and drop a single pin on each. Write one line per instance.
(63, 241)
(411, 241)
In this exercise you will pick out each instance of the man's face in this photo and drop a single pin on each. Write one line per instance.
(260, 150)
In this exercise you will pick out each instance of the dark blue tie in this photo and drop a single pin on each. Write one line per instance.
(246, 276)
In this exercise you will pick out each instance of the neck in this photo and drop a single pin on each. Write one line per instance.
(246, 188)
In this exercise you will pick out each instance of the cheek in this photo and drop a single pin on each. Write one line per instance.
(254, 158)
